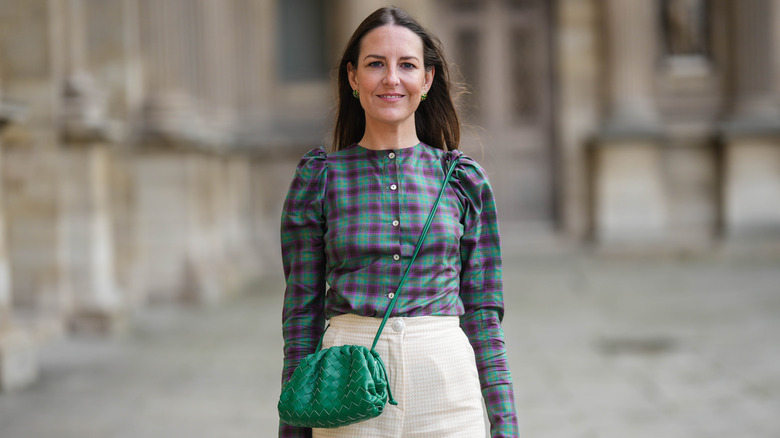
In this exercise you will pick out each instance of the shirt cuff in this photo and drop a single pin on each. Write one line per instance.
(287, 431)
(500, 405)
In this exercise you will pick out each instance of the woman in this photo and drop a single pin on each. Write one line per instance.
(351, 220)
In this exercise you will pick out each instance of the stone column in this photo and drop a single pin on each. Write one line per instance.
(33, 57)
(632, 52)
(629, 203)
(206, 268)
(577, 57)
(113, 46)
(751, 136)
(255, 21)
(18, 355)
(168, 110)
(172, 259)
(219, 66)
(349, 15)
(86, 226)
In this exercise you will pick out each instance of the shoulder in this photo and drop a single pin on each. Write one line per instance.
(313, 165)
(313, 161)
(468, 172)
(467, 168)
(310, 174)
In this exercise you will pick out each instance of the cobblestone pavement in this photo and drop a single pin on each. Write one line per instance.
(600, 347)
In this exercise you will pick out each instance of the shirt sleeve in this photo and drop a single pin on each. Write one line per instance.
(302, 228)
(481, 290)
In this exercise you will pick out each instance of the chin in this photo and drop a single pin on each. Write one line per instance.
(393, 119)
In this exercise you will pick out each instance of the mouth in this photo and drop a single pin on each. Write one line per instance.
(390, 96)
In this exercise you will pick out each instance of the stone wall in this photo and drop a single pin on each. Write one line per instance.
(136, 175)
(147, 145)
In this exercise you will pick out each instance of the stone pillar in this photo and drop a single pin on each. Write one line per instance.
(629, 203)
(113, 59)
(577, 56)
(206, 268)
(219, 66)
(168, 110)
(5, 272)
(350, 14)
(98, 303)
(33, 56)
(631, 46)
(86, 226)
(18, 355)
(255, 27)
(171, 251)
(751, 136)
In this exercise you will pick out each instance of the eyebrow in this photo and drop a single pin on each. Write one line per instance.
(403, 58)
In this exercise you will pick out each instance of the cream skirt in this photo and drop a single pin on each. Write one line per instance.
(432, 373)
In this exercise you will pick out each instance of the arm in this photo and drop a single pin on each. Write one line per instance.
(303, 258)
(482, 295)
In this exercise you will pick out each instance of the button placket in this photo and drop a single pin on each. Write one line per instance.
(392, 168)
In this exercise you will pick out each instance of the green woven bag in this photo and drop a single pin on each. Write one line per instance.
(335, 387)
(344, 384)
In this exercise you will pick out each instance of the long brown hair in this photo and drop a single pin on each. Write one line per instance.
(436, 119)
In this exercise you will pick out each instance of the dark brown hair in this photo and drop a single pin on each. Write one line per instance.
(436, 119)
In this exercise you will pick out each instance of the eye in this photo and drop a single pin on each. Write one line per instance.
(375, 64)
(408, 66)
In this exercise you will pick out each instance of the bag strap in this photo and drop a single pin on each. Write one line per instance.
(417, 249)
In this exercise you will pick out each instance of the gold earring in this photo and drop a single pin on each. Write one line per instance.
(423, 97)
(356, 93)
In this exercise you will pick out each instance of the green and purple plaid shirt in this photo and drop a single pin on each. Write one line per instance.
(351, 221)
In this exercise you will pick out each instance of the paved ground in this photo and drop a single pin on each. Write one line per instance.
(601, 347)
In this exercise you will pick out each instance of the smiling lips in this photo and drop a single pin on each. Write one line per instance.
(391, 96)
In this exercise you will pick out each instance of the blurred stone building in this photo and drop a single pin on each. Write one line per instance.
(147, 145)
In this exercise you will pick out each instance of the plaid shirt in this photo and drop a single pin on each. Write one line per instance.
(351, 220)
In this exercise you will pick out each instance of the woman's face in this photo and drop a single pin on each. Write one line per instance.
(390, 75)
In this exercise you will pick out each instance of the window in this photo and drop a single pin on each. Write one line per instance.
(302, 41)
(685, 27)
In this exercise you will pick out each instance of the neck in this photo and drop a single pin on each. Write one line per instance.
(379, 137)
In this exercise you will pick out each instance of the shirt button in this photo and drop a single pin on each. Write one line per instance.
(395, 223)
(396, 257)
(391, 155)
(391, 295)
(398, 325)
(393, 186)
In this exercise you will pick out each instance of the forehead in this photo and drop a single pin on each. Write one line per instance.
(391, 39)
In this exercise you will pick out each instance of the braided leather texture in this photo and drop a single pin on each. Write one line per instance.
(335, 387)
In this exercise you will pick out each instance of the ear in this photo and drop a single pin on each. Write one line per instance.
(429, 74)
(352, 75)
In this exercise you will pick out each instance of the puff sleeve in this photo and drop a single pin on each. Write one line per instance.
(481, 289)
(303, 256)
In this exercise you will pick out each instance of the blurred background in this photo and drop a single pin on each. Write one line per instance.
(146, 147)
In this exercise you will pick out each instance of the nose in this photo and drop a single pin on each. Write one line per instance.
(391, 78)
